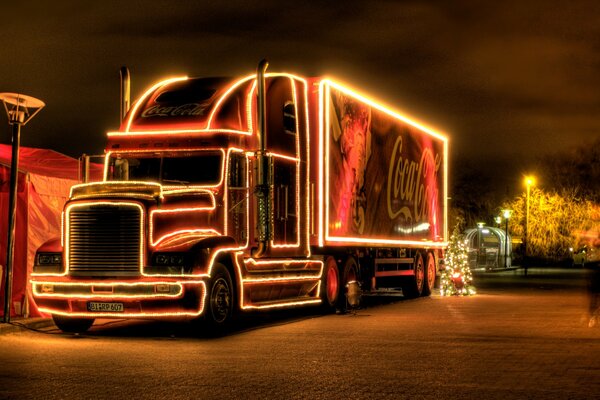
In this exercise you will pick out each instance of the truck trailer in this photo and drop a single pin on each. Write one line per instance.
(269, 191)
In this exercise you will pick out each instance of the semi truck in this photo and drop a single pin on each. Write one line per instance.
(268, 191)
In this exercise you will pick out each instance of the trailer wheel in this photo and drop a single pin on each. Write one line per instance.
(330, 284)
(72, 325)
(349, 274)
(220, 299)
(429, 275)
(413, 287)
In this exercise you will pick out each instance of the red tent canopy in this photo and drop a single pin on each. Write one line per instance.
(44, 180)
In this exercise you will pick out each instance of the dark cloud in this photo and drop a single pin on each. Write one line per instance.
(505, 80)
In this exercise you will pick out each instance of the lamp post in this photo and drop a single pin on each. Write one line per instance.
(529, 181)
(20, 109)
(506, 214)
(498, 220)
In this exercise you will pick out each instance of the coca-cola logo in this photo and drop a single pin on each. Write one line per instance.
(184, 110)
(412, 186)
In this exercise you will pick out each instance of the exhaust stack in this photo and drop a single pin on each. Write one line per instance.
(125, 92)
(263, 187)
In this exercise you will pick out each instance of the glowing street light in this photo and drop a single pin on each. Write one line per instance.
(506, 214)
(20, 109)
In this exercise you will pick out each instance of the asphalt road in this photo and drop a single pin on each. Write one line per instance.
(518, 338)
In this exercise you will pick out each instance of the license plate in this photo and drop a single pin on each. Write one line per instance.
(95, 306)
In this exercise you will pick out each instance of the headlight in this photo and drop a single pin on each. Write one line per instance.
(49, 259)
(169, 259)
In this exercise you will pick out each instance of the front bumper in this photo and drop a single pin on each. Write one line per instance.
(162, 298)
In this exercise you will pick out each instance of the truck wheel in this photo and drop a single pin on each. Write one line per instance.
(414, 285)
(349, 274)
(220, 299)
(429, 275)
(72, 325)
(330, 284)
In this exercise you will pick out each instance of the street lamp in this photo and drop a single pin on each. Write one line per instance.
(506, 214)
(20, 109)
(529, 181)
(498, 220)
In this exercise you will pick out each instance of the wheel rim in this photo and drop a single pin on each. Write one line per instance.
(419, 273)
(220, 300)
(430, 271)
(332, 282)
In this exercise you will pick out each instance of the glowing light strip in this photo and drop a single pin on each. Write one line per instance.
(324, 126)
(250, 104)
(424, 243)
(137, 314)
(292, 303)
(189, 189)
(223, 97)
(323, 119)
(282, 305)
(103, 184)
(347, 90)
(446, 152)
(283, 156)
(111, 203)
(307, 179)
(106, 295)
(297, 278)
(187, 233)
(167, 132)
(148, 92)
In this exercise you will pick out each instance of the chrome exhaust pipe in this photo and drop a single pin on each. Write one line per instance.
(125, 92)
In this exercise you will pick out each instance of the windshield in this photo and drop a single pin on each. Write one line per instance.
(175, 168)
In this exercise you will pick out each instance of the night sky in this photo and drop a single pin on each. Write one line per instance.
(506, 80)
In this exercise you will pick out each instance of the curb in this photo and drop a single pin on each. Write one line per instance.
(20, 325)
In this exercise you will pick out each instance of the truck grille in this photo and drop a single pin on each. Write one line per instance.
(104, 239)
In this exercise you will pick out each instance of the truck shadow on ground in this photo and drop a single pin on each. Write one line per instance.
(246, 322)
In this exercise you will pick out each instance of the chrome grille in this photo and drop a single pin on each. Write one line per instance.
(104, 239)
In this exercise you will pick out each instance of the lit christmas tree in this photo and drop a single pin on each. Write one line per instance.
(456, 278)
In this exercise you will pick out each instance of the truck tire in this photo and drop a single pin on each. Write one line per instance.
(72, 325)
(349, 274)
(220, 300)
(330, 284)
(413, 286)
(430, 270)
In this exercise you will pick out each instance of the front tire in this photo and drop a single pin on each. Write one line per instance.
(220, 298)
(72, 325)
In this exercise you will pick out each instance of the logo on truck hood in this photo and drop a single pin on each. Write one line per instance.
(183, 110)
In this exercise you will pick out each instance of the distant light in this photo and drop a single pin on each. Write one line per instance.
(480, 224)
(485, 231)
(506, 213)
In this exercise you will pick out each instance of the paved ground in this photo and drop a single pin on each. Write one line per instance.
(519, 338)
